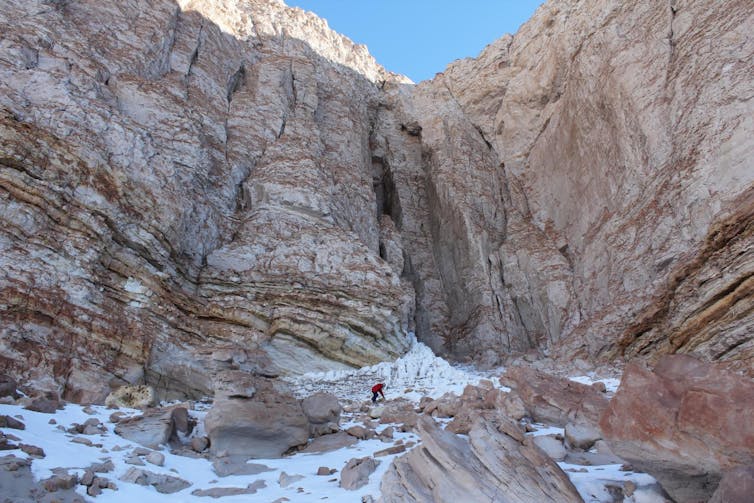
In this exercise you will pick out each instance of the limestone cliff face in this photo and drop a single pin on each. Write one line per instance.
(192, 186)
(620, 145)
(188, 187)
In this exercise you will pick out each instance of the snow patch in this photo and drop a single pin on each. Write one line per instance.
(416, 374)
(134, 286)
(611, 385)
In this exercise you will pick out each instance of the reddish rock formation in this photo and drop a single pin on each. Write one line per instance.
(555, 400)
(685, 423)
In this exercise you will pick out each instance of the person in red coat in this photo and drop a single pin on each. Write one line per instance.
(377, 390)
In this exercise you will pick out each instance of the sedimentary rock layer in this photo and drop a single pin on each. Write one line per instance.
(187, 188)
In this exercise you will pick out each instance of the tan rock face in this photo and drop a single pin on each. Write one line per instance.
(496, 462)
(685, 423)
(265, 425)
(625, 173)
(231, 185)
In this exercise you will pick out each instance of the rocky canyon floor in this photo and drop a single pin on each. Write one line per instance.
(72, 455)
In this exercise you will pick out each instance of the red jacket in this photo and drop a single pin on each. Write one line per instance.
(377, 388)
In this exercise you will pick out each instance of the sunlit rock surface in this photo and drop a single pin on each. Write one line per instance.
(192, 187)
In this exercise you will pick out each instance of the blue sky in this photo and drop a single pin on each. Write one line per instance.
(418, 38)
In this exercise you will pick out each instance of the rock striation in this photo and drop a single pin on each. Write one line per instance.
(189, 187)
(495, 464)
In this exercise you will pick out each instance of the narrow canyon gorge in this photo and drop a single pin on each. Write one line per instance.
(218, 198)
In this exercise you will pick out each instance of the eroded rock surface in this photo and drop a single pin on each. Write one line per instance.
(685, 423)
(496, 464)
(323, 411)
(191, 193)
(264, 426)
(556, 400)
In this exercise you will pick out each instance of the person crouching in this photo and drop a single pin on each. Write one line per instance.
(377, 390)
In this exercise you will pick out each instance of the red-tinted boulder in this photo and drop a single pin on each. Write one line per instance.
(685, 423)
(555, 400)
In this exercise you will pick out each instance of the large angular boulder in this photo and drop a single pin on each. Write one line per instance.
(399, 411)
(555, 400)
(323, 411)
(736, 486)
(264, 426)
(356, 472)
(684, 423)
(151, 429)
(497, 463)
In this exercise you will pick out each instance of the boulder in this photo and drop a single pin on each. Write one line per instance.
(512, 406)
(396, 449)
(684, 423)
(237, 465)
(736, 486)
(182, 421)
(356, 472)
(581, 435)
(199, 444)
(332, 442)
(32, 450)
(155, 458)
(359, 432)
(323, 411)
(11, 422)
(103, 467)
(61, 482)
(131, 396)
(448, 405)
(285, 480)
(555, 400)
(8, 386)
(551, 446)
(376, 411)
(322, 408)
(151, 429)
(44, 405)
(220, 492)
(496, 460)
(261, 427)
(399, 412)
(164, 484)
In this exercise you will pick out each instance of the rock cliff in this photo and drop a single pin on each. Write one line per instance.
(195, 186)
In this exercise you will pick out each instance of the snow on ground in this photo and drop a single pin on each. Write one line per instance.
(61, 452)
(418, 373)
(593, 483)
(611, 385)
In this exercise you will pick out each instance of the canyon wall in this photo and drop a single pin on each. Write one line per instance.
(188, 188)
(196, 186)
(624, 132)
